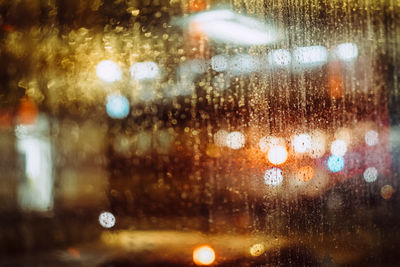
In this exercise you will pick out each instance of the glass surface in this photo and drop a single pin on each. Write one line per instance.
(199, 132)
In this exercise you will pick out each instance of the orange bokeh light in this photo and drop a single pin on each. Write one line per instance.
(305, 173)
(197, 5)
(27, 111)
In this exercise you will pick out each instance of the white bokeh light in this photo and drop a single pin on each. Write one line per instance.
(370, 174)
(277, 155)
(235, 140)
(279, 58)
(347, 51)
(339, 148)
(273, 176)
(243, 64)
(107, 219)
(310, 56)
(144, 70)
(371, 138)
(108, 71)
(266, 143)
(302, 143)
(203, 255)
(219, 63)
(220, 137)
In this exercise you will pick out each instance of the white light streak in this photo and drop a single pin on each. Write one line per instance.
(226, 26)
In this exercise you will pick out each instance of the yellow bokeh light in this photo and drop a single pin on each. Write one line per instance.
(387, 191)
(203, 255)
(257, 250)
(277, 155)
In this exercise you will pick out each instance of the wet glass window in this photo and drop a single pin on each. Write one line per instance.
(199, 132)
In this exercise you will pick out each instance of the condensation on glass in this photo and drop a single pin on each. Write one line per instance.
(199, 132)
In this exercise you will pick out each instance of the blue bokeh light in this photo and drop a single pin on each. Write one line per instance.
(117, 106)
(335, 163)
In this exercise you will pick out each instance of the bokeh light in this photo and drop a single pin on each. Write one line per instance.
(371, 138)
(339, 148)
(302, 143)
(387, 191)
(243, 64)
(310, 56)
(335, 163)
(370, 174)
(277, 155)
(117, 106)
(266, 143)
(108, 71)
(144, 70)
(279, 57)
(235, 140)
(347, 51)
(305, 173)
(220, 137)
(27, 111)
(257, 249)
(219, 63)
(107, 219)
(203, 255)
(273, 176)
(221, 82)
